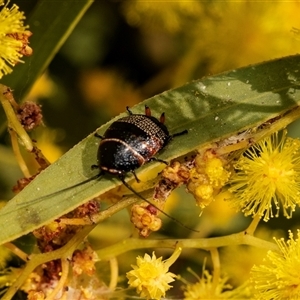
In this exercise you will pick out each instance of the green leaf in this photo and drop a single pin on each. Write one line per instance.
(51, 23)
(211, 109)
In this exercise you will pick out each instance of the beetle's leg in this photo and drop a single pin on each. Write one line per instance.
(147, 111)
(94, 167)
(162, 118)
(122, 177)
(129, 111)
(157, 159)
(136, 178)
(98, 136)
(179, 133)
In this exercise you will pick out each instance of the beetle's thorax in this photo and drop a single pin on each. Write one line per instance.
(148, 124)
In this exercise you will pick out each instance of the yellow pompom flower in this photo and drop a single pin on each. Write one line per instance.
(150, 276)
(278, 277)
(207, 178)
(267, 177)
(217, 174)
(13, 38)
(205, 288)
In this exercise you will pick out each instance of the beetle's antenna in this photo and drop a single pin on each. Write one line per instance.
(77, 184)
(179, 133)
(67, 188)
(164, 213)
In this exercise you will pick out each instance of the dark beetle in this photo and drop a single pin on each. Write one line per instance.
(129, 143)
(132, 141)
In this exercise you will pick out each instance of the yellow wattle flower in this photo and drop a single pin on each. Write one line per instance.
(268, 177)
(205, 288)
(151, 276)
(13, 38)
(278, 276)
(207, 177)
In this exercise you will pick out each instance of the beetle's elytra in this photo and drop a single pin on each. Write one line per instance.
(132, 141)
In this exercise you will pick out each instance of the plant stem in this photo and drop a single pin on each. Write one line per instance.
(241, 238)
(6, 98)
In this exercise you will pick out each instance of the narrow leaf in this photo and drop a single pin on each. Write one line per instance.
(210, 109)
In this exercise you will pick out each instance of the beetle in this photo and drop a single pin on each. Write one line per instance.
(132, 141)
(129, 143)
